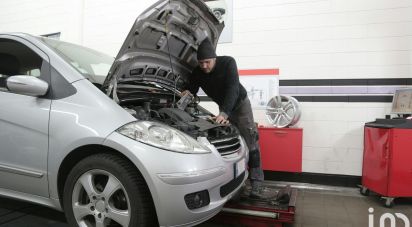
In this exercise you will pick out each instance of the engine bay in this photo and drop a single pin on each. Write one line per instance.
(167, 108)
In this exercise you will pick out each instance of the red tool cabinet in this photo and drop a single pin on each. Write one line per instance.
(281, 149)
(387, 162)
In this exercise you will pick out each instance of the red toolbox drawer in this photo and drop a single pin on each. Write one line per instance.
(281, 149)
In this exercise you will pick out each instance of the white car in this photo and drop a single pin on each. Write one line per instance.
(103, 139)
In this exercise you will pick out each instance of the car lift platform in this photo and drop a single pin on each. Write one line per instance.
(275, 208)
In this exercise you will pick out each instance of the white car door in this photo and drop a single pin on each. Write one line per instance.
(23, 120)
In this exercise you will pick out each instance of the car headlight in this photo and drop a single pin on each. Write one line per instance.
(162, 136)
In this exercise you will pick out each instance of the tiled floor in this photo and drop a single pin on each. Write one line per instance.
(346, 209)
(329, 207)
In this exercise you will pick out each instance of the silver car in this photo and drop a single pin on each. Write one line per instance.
(107, 140)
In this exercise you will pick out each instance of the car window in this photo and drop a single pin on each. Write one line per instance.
(17, 59)
(92, 64)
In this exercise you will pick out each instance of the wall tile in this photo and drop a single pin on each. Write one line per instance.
(313, 166)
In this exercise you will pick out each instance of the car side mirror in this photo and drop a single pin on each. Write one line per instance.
(27, 85)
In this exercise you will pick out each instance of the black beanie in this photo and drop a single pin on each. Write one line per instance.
(205, 50)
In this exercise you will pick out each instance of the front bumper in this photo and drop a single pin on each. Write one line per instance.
(171, 176)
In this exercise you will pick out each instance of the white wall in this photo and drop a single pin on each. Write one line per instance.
(98, 24)
(305, 39)
(43, 17)
(107, 22)
(326, 39)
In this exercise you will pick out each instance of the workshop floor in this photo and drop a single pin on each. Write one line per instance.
(343, 209)
(316, 206)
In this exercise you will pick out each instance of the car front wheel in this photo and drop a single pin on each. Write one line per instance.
(104, 190)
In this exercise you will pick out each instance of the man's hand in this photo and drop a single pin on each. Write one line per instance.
(220, 120)
(184, 93)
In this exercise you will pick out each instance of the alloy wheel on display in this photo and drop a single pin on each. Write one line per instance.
(283, 111)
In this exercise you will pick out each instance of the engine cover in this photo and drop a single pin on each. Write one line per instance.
(195, 126)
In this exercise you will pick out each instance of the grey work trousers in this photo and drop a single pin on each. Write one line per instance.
(242, 118)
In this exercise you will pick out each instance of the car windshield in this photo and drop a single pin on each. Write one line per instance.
(92, 64)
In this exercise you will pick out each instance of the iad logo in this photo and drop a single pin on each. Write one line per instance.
(390, 217)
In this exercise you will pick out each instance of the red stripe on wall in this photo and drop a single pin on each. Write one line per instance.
(258, 72)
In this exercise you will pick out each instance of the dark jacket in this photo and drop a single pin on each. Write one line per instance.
(221, 85)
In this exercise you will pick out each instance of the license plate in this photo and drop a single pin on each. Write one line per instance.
(239, 168)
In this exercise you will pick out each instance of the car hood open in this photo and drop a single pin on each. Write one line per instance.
(162, 44)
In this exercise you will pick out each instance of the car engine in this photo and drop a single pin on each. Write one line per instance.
(154, 100)
(189, 118)
(193, 120)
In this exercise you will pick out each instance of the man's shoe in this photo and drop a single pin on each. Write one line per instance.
(257, 191)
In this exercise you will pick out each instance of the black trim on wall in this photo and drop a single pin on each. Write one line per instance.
(357, 98)
(342, 82)
(387, 82)
(387, 98)
(349, 82)
(314, 178)
(346, 82)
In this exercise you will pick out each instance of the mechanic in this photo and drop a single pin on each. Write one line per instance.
(218, 77)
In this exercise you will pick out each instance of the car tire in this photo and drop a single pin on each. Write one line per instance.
(106, 190)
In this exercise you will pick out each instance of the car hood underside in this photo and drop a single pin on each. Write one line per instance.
(162, 44)
(154, 64)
